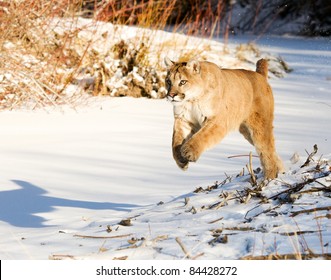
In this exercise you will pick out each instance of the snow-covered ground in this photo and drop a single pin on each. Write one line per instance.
(69, 178)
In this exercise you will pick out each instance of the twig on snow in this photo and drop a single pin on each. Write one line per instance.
(293, 214)
(251, 171)
(310, 156)
(102, 237)
(180, 243)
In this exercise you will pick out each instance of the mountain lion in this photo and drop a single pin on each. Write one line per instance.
(210, 101)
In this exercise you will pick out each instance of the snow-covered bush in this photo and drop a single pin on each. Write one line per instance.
(124, 71)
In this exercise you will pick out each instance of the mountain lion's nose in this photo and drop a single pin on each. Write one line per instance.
(172, 94)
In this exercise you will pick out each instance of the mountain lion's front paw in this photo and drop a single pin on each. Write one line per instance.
(182, 165)
(181, 162)
(190, 152)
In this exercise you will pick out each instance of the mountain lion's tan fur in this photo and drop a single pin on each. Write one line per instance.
(210, 101)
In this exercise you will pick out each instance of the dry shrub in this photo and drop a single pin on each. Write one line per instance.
(33, 57)
(127, 72)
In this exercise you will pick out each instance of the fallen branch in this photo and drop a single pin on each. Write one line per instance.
(295, 188)
(314, 189)
(243, 156)
(262, 212)
(61, 257)
(295, 233)
(102, 237)
(299, 186)
(180, 243)
(121, 258)
(217, 220)
(310, 210)
(222, 203)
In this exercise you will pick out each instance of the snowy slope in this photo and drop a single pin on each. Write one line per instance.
(66, 175)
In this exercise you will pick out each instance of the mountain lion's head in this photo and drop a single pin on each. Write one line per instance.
(183, 80)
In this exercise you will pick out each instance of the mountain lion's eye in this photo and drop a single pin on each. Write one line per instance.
(182, 82)
(168, 82)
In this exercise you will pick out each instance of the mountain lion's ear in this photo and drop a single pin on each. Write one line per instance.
(194, 66)
(168, 62)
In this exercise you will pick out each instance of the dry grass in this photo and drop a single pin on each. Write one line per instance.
(309, 256)
(202, 18)
(33, 60)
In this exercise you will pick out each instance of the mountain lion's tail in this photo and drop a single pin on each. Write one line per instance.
(262, 67)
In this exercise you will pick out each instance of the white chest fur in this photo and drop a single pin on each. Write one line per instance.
(190, 112)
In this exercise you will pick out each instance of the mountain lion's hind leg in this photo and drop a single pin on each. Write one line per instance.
(263, 140)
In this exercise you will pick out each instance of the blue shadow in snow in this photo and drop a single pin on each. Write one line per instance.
(19, 207)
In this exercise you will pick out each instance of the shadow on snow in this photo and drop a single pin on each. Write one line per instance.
(19, 207)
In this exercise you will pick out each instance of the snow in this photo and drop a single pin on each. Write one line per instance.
(68, 178)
